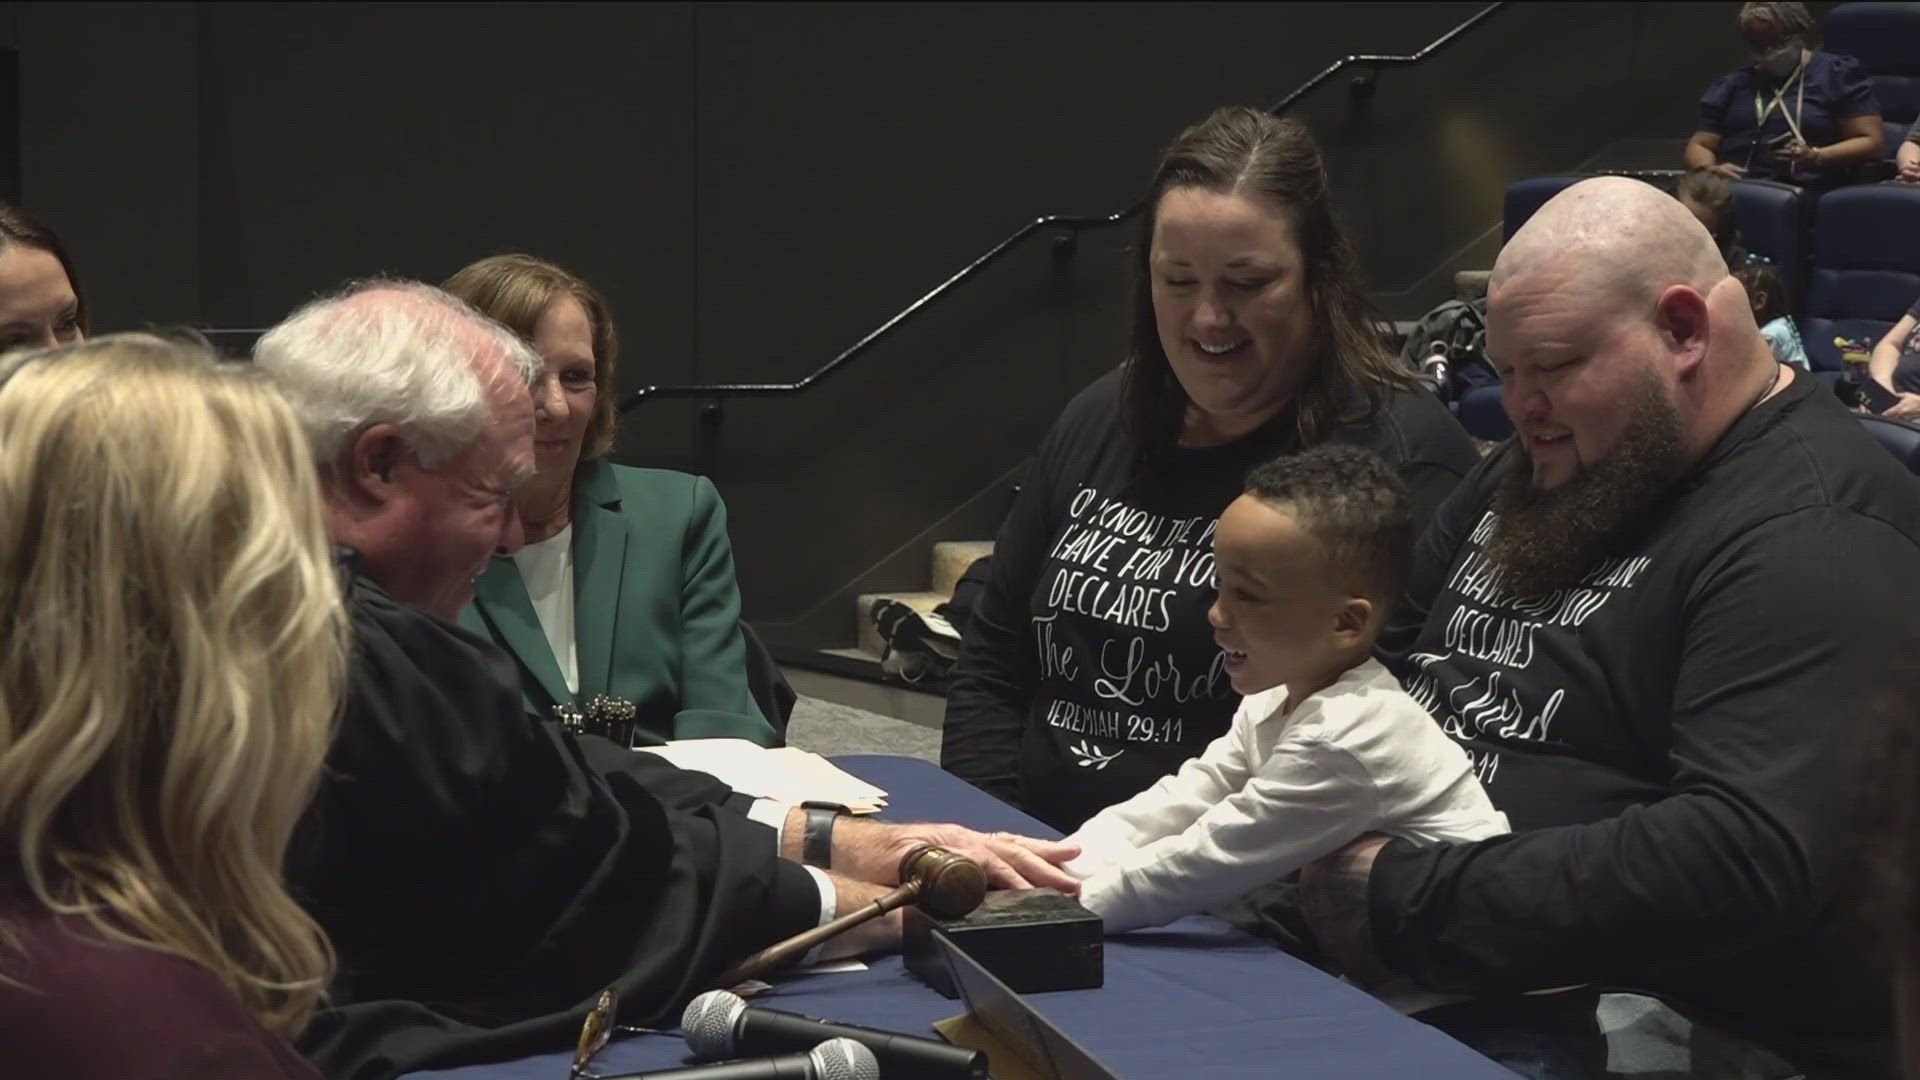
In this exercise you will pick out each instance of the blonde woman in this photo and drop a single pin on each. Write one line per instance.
(168, 681)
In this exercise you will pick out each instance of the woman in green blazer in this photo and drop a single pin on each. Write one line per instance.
(625, 587)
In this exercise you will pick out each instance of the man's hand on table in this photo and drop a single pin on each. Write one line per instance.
(1333, 896)
(1010, 860)
(871, 851)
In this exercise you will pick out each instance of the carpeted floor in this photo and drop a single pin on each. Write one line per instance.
(828, 728)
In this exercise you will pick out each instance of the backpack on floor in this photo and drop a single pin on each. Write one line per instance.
(917, 648)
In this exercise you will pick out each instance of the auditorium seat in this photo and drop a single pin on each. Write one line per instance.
(1902, 440)
(1866, 266)
(1773, 222)
(1885, 38)
(1483, 416)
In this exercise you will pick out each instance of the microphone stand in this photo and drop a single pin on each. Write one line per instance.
(943, 884)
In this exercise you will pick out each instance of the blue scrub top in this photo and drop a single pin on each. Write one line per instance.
(1835, 90)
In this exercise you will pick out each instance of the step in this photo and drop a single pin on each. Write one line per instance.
(922, 602)
(852, 677)
(951, 559)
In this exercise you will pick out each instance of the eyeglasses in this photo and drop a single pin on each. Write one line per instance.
(598, 1030)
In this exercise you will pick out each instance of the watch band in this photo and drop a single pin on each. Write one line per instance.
(816, 836)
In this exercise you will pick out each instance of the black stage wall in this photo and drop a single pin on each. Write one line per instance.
(757, 185)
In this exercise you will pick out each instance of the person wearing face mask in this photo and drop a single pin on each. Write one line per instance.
(1089, 670)
(625, 586)
(40, 298)
(1793, 114)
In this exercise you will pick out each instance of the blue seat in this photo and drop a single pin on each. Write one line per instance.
(1885, 38)
(1773, 222)
(1902, 440)
(1866, 266)
(1483, 416)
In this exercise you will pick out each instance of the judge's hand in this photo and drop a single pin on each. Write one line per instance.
(1333, 896)
(1011, 861)
(1729, 170)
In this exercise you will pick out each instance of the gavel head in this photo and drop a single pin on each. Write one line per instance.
(950, 885)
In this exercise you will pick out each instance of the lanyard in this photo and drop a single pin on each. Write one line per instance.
(1762, 111)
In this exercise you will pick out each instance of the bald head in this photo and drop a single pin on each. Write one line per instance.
(1610, 309)
(1618, 237)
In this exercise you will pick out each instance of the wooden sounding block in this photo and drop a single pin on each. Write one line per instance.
(1033, 940)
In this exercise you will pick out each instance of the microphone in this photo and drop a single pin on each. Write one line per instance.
(720, 1024)
(835, 1059)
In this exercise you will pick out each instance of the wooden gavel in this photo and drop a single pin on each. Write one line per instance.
(942, 884)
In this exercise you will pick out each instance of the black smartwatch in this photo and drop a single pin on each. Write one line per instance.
(816, 836)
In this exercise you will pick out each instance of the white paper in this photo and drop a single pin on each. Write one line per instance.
(786, 774)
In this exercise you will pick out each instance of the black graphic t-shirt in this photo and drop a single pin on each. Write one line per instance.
(1680, 740)
(1089, 670)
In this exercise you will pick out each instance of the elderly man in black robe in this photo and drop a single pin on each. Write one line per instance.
(483, 876)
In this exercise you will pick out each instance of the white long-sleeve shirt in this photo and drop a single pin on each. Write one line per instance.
(1281, 788)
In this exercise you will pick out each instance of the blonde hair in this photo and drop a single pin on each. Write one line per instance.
(175, 656)
(516, 290)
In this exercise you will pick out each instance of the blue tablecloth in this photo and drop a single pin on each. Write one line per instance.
(1196, 1000)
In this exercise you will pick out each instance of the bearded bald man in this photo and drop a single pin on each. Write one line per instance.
(1668, 621)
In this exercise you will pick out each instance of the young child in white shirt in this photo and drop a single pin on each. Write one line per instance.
(1325, 745)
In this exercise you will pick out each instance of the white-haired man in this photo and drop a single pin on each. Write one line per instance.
(483, 876)
(1668, 621)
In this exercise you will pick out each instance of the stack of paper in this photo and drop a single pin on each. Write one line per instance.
(787, 773)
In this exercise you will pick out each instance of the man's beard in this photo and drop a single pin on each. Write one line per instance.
(1546, 540)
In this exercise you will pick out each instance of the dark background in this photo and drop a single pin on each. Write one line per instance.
(756, 186)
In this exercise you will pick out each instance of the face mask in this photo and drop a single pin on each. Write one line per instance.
(1780, 62)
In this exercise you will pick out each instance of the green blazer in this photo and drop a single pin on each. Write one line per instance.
(656, 609)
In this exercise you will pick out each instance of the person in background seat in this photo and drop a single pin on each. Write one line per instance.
(1767, 296)
(1794, 114)
(174, 659)
(625, 586)
(1907, 158)
(1089, 670)
(1708, 196)
(1895, 364)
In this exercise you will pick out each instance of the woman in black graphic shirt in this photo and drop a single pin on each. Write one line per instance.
(1089, 670)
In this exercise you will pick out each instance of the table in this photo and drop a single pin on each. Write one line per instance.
(1196, 1000)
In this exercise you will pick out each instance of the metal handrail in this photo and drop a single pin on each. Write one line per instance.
(1073, 224)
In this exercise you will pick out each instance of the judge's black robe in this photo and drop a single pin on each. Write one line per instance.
(483, 876)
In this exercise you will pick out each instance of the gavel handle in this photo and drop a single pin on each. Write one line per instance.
(779, 953)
